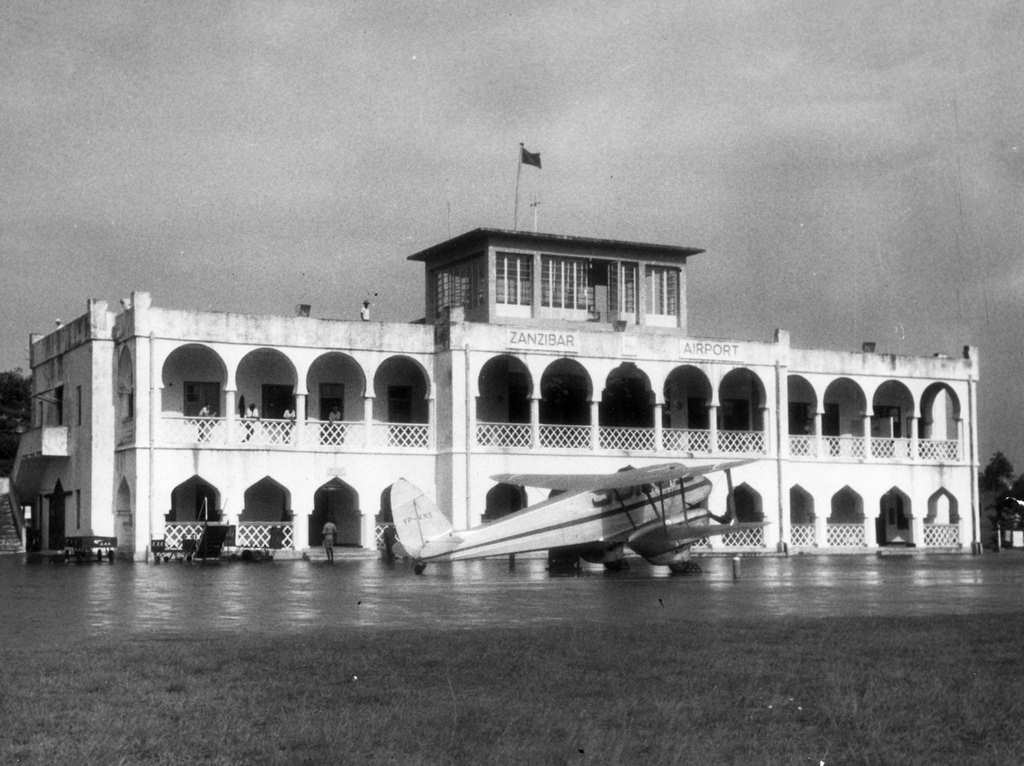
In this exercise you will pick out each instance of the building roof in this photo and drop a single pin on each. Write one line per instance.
(540, 240)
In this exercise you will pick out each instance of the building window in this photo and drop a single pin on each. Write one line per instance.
(78, 509)
(78, 404)
(622, 287)
(564, 283)
(513, 283)
(459, 285)
(662, 290)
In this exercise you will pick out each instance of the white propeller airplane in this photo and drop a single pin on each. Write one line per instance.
(658, 512)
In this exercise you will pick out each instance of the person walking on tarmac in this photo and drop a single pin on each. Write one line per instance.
(330, 531)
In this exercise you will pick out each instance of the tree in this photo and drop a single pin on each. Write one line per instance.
(15, 413)
(998, 474)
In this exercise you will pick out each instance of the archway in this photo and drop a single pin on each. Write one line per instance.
(892, 526)
(193, 377)
(801, 505)
(747, 503)
(503, 499)
(565, 394)
(847, 507)
(626, 399)
(56, 518)
(266, 500)
(504, 386)
(338, 502)
(194, 500)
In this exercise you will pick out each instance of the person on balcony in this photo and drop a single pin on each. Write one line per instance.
(252, 414)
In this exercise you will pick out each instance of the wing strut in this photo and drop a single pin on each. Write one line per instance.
(730, 502)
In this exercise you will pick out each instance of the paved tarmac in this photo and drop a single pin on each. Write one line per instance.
(43, 602)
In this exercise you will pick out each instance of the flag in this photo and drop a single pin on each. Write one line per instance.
(529, 158)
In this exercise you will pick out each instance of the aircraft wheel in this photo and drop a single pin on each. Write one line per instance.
(418, 567)
(616, 566)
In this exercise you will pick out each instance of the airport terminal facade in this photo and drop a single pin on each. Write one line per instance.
(538, 353)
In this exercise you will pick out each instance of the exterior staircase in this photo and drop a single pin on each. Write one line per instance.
(10, 534)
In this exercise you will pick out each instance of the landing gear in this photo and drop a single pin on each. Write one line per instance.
(418, 567)
(616, 565)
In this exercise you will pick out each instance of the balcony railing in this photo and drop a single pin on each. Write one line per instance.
(686, 441)
(251, 535)
(565, 437)
(742, 443)
(802, 536)
(846, 536)
(627, 439)
(939, 450)
(280, 433)
(941, 535)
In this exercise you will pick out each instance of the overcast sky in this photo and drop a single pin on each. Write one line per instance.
(855, 171)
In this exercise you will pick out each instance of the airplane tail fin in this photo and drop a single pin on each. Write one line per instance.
(417, 518)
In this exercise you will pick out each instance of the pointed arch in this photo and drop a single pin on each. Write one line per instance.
(266, 500)
(195, 499)
(847, 507)
(801, 505)
(892, 526)
(943, 508)
(336, 501)
(124, 529)
(503, 499)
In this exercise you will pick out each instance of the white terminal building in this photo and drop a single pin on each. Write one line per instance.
(538, 353)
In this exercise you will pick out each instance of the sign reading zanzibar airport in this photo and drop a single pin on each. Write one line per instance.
(543, 340)
(709, 348)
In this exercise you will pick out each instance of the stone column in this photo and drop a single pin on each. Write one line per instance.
(819, 444)
(595, 425)
(658, 407)
(914, 446)
(867, 436)
(713, 427)
(299, 433)
(368, 420)
(535, 421)
(231, 414)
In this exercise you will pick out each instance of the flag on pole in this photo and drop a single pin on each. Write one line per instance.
(529, 158)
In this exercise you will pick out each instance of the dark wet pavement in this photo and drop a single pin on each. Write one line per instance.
(43, 602)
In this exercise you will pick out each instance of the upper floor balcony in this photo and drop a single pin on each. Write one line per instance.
(282, 433)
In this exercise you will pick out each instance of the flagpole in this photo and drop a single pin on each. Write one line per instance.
(519, 169)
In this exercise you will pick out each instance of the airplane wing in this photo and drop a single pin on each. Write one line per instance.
(630, 477)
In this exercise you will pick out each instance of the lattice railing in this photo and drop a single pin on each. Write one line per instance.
(938, 450)
(744, 538)
(803, 446)
(844, 446)
(846, 535)
(401, 435)
(378, 535)
(565, 437)
(267, 432)
(802, 536)
(941, 535)
(504, 435)
(175, 532)
(686, 440)
(275, 535)
(741, 442)
(890, 449)
(332, 433)
(632, 439)
(704, 544)
(181, 430)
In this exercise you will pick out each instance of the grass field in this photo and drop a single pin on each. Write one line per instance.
(839, 691)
